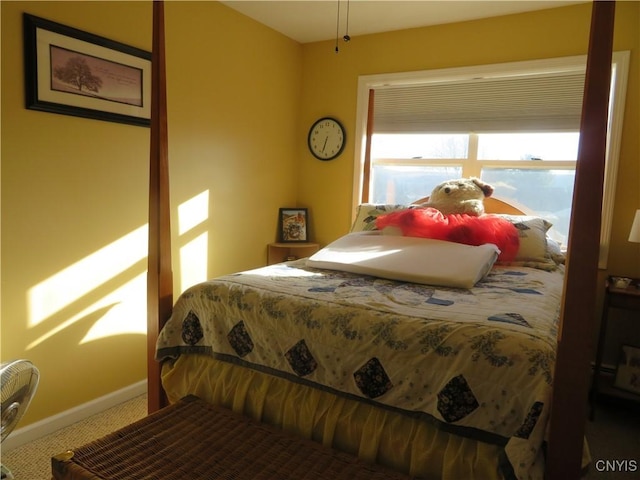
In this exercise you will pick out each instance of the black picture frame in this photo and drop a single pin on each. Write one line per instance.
(628, 369)
(293, 225)
(116, 81)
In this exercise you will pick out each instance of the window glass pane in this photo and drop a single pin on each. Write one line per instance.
(528, 146)
(548, 193)
(415, 145)
(404, 185)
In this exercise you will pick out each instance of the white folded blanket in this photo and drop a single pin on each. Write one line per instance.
(410, 259)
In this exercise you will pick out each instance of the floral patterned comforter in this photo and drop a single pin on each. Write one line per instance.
(476, 362)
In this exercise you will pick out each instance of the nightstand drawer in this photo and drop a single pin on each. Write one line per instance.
(627, 302)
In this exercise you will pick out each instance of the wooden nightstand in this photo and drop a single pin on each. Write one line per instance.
(280, 252)
(626, 299)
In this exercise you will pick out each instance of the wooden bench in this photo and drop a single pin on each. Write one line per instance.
(193, 440)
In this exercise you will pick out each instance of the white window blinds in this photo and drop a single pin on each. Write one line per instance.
(534, 102)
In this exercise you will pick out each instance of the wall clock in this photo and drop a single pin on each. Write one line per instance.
(326, 138)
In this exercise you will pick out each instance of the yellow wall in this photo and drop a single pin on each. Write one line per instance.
(73, 186)
(241, 99)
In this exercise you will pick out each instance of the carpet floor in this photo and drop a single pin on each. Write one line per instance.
(614, 434)
(32, 461)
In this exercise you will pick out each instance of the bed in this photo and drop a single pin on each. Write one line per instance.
(434, 380)
(416, 360)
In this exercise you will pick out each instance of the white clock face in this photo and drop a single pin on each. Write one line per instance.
(326, 139)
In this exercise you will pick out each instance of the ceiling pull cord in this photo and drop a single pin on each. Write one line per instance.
(338, 27)
(346, 37)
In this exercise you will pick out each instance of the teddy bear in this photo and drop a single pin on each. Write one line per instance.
(455, 213)
(463, 195)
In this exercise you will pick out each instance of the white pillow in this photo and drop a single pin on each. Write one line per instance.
(408, 259)
(367, 213)
(533, 237)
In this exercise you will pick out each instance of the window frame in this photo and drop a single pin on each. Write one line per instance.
(620, 68)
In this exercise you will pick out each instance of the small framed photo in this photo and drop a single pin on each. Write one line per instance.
(72, 72)
(292, 225)
(628, 371)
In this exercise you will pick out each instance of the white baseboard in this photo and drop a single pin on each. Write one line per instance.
(606, 368)
(51, 424)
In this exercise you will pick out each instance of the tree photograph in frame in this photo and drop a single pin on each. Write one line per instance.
(72, 72)
(292, 224)
(628, 371)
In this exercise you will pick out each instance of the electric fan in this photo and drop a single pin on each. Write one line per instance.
(19, 380)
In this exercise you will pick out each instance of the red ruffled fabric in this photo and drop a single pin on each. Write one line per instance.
(460, 228)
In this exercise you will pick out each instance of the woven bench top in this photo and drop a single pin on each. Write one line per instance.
(194, 440)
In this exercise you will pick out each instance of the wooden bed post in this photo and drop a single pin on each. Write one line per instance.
(159, 274)
(366, 170)
(572, 372)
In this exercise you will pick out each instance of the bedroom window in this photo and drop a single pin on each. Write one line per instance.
(535, 170)
(514, 125)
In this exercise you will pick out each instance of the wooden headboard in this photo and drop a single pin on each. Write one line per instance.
(491, 205)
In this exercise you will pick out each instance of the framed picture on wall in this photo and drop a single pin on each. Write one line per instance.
(628, 371)
(292, 225)
(72, 72)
